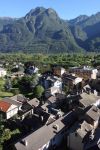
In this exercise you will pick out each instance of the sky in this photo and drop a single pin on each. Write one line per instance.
(66, 9)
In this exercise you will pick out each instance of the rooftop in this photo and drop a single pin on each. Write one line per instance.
(34, 102)
(69, 77)
(4, 106)
(94, 113)
(52, 99)
(11, 101)
(84, 129)
(20, 98)
(40, 137)
(88, 99)
(82, 68)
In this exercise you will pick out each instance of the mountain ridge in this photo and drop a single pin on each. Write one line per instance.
(42, 30)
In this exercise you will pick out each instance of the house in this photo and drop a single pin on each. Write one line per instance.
(3, 72)
(26, 110)
(50, 109)
(76, 135)
(7, 109)
(93, 115)
(72, 82)
(83, 137)
(84, 72)
(31, 70)
(87, 99)
(48, 136)
(58, 71)
(51, 81)
(85, 134)
(52, 91)
(11, 101)
(19, 98)
(34, 103)
(23, 108)
(57, 100)
(93, 142)
(52, 101)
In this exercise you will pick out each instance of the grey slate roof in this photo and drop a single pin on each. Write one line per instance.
(94, 113)
(34, 102)
(11, 101)
(88, 99)
(43, 135)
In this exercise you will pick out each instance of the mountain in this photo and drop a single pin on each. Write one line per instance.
(41, 30)
(86, 31)
(5, 20)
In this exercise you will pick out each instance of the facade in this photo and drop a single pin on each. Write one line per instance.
(72, 82)
(3, 72)
(85, 134)
(58, 71)
(85, 72)
(52, 81)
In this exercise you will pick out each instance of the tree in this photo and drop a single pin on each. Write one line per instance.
(5, 134)
(38, 91)
(27, 83)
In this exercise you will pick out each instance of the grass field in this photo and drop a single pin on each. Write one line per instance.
(4, 93)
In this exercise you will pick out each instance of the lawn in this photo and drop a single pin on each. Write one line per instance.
(4, 93)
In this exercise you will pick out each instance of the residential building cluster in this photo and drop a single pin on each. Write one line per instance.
(69, 112)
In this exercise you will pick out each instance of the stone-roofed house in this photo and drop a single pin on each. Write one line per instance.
(19, 98)
(93, 115)
(52, 101)
(51, 81)
(52, 91)
(87, 99)
(85, 134)
(85, 72)
(26, 110)
(73, 82)
(48, 136)
(93, 143)
(57, 101)
(83, 137)
(34, 103)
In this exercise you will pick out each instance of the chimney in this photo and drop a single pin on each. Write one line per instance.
(56, 127)
(25, 142)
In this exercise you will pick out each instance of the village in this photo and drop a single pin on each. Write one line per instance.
(63, 115)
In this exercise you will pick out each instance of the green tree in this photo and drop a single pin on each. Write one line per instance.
(27, 83)
(38, 91)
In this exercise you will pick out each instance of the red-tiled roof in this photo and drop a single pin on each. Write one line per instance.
(4, 106)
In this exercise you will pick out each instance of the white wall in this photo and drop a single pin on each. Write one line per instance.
(62, 71)
(77, 80)
(13, 110)
(58, 84)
